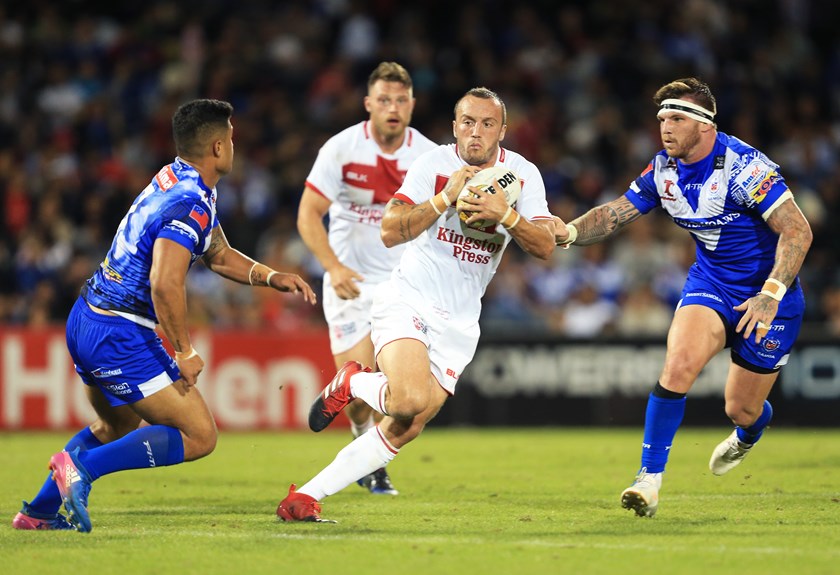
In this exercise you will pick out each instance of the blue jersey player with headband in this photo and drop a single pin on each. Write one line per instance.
(742, 292)
(129, 377)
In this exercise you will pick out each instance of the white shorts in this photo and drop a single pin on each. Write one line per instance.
(451, 343)
(348, 319)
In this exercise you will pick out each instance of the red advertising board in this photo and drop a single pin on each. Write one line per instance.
(251, 380)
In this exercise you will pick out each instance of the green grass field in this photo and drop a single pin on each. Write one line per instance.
(473, 501)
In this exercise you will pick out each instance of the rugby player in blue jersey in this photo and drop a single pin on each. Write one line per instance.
(742, 291)
(150, 414)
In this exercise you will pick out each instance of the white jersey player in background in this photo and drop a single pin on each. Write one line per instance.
(355, 175)
(425, 318)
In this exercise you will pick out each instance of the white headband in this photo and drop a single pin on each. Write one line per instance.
(690, 109)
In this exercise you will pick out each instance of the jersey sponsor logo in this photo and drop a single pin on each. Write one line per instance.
(667, 195)
(105, 372)
(720, 162)
(760, 192)
(110, 273)
(706, 223)
(749, 177)
(343, 330)
(451, 373)
(166, 178)
(200, 216)
(368, 214)
(118, 388)
(705, 295)
(469, 249)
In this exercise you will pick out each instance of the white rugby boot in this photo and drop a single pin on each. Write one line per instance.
(728, 454)
(643, 496)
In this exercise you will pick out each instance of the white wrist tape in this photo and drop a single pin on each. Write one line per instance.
(268, 277)
(251, 273)
(186, 354)
(774, 288)
(573, 234)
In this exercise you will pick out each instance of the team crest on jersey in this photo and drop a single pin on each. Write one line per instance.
(771, 344)
(419, 325)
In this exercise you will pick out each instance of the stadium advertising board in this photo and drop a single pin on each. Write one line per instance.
(257, 381)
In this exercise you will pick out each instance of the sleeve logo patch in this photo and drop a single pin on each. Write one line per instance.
(200, 216)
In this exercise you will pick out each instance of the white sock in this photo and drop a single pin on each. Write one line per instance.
(361, 428)
(370, 388)
(363, 455)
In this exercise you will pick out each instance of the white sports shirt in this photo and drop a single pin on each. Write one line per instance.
(449, 265)
(359, 179)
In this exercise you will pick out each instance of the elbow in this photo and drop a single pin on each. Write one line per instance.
(389, 238)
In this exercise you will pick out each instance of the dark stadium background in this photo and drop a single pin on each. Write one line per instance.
(87, 94)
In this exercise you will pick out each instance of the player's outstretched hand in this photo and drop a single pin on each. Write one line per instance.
(293, 283)
(759, 312)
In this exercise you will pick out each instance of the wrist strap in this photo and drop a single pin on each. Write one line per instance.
(434, 206)
(505, 217)
(251, 273)
(268, 277)
(180, 355)
(573, 234)
(774, 288)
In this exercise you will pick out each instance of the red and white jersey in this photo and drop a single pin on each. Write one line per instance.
(359, 179)
(449, 265)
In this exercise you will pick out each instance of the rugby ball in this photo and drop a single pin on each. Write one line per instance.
(487, 180)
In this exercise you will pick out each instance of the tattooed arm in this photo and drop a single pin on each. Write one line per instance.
(599, 223)
(794, 240)
(232, 264)
(402, 221)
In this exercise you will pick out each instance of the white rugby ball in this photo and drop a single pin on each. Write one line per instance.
(487, 180)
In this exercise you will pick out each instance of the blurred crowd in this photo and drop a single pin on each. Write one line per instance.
(86, 98)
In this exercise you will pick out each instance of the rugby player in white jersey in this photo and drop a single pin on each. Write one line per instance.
(355, 175)
(742, 292)
(425, 317)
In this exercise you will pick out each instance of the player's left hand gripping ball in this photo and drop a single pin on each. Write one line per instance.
(486, 181)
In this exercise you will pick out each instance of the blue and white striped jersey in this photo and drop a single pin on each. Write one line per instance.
(723, 200)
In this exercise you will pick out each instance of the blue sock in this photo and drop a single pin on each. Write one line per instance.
(753, 433)
(152, 446)
(48, 500)
(662, 419)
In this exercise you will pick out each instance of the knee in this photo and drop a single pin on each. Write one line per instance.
(106, 432)
(741, 414)
(200, 442)
(409, 404)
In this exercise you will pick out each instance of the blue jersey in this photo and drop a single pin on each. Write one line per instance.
(176, 205)
(722, 200)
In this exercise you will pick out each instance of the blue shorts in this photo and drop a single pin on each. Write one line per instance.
(773, 351)
(125, 360)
